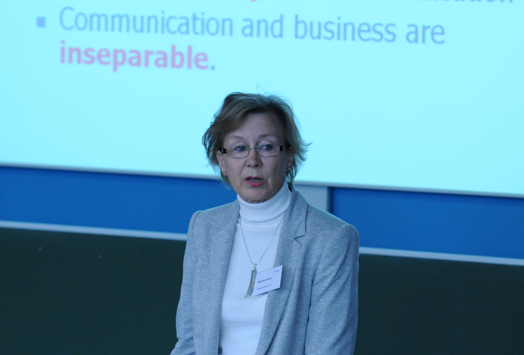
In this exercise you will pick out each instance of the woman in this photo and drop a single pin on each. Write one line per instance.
(313, 310)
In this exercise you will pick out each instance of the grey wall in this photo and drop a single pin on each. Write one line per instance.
(75, 294)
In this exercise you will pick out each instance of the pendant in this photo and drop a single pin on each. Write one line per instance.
(251, 282)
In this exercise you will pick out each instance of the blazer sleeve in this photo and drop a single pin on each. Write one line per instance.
(333, 313)
(184, 315)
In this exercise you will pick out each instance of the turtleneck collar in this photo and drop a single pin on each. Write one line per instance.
(268, 212)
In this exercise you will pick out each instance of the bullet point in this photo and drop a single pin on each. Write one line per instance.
(40, 22)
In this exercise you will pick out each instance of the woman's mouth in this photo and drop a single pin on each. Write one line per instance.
(254, 181)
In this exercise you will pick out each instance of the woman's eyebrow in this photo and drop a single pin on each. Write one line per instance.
(268, 135)
(236, 137)
(265, 135)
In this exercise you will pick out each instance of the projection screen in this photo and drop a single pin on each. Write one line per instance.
(399, 94)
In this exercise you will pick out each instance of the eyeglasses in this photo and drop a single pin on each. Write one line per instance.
(242, 151)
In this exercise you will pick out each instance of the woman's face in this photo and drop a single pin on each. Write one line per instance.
(254, 178)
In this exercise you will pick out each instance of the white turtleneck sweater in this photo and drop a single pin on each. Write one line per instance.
(242, 318)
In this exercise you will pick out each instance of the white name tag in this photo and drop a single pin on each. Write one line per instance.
(267, 280)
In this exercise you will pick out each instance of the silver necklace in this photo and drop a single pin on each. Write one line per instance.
(254, 270)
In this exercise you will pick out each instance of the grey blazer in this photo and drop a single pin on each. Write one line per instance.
(315, 309)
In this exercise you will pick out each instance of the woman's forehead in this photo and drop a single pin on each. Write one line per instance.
(234, 136)
(256, 126)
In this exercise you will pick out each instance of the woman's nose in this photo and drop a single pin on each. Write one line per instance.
(253, 158)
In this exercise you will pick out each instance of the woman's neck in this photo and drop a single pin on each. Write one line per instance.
(265, 213)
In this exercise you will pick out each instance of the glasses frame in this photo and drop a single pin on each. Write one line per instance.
(281, 149)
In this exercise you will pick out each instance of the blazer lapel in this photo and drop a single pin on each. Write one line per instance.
(288, 252)
(221, 243)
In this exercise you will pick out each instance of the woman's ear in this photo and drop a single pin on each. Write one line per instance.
(220, 158)
(290, 157)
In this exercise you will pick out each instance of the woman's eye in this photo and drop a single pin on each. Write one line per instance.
(267, 147)
(240, 148)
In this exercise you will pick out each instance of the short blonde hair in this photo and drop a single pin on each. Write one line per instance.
(233, 113)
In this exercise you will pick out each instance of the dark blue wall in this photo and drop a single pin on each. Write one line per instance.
(444, 223)
(473, 225)
(137, 202)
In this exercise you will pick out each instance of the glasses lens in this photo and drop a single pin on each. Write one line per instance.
(242, 151)
(237, 151)
(268, 150)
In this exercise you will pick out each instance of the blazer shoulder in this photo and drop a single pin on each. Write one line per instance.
(218, 212)
(214, 218)
(320, 219)
(327, 234)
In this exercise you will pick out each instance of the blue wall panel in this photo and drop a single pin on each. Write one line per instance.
(151, 203)
(472, 225)
(457, 224)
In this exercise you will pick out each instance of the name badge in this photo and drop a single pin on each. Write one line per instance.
(267, 280)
